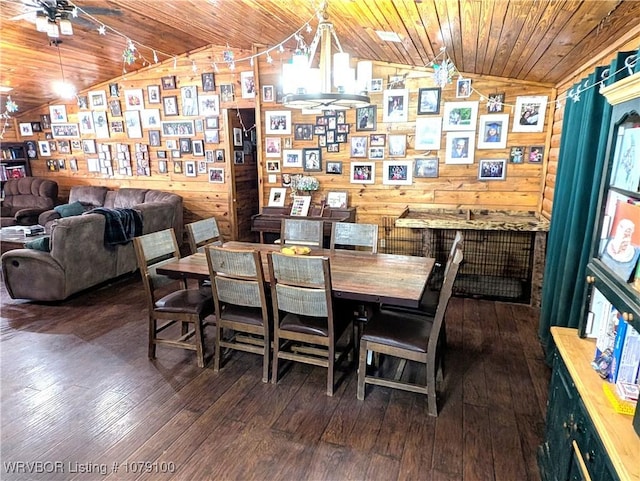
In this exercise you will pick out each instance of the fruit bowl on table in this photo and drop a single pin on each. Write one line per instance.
(296, 250)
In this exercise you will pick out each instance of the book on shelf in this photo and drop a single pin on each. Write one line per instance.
(599, 310)
(622, 247)
(625, 358)
(605, 342)
(15, 171)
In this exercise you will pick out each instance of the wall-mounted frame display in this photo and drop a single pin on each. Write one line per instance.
(492, 169)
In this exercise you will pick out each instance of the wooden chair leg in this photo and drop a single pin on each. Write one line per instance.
(331, 370)
(217, 355)
(362, 369)
(432, 405)
(274, 365)
(199, 341)
(152, 338)
(265, 359)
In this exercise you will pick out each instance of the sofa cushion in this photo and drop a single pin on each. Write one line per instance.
(41, 244)
(88, 195)
(126, 198)
(68, 210)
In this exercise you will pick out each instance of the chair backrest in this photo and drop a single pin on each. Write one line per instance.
(237, 278)
(302, 231)
(203, 232)
(349, 234)
(153, 250)
(444, 297)
(301, 285)
(457, 242)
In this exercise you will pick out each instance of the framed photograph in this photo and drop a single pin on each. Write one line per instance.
(172, 144)
(428, 133)
(359, 146)
(132, 122)
(73, 164)
(300, 205)
(337, 200)
(362, 172)
(114, 90)
(516, 155)
(219, 155)
(366, 118)
(322, 140)
(287, 142)
(58, 114)
(216, 175)
(292, 158)
(133, 99)
(190, 168)
(429, 101)
(114, 108)
(212, 123)
(162, 167)
(376, 153)
(175, 154)
(460, 115)
(26, 130)
(101, 124)
(376, 85)
(377, 140)
(97, 99)
(153, 94)
(492, 169)
(278, 122)
(334, 147)
(535, 154)
(397, 145)
(495, 103)
(162, 154)
(117, 126)
(209, 105)
(45, 120)
(197, 147)
(89, 146)
(303, 131)
(210, 155)
(189, 97)
(397, 172)
(460, 148)
(178, 128)
(396, 105)
(492, 133)
(273, 166)
(463, 88)
(83, 102)
(342, 128)
(211, 136)
(185, 145)
(248, 85)
(226, 93)
(277, 196)
(312, 160)
(272, 146)
(426, 167)
(76, 145)
(65, 131)
(334, 167)
(238, 156)
(237, 137)
(168, 82)
(529, 113)
(268, 94)
(396, 82)
(170, 105)
(36, 126)
(45, 150)
(150, 118)
(32, 149)
(208, 82)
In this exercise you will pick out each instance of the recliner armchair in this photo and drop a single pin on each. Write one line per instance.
(26, 198)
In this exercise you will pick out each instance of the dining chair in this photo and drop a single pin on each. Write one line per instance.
(306, 327)
(303, 232)
(203, 232)
(237, 283)
(411, 337)
(355, 236)
(166, 305)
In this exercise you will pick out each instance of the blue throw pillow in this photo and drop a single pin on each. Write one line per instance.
(68, 210)
(41, 244)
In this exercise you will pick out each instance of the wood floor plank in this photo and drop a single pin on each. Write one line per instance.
(478, 455)
(506, 438)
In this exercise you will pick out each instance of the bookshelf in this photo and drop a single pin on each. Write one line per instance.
(14, 162)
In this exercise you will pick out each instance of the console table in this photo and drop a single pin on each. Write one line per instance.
(267, 223)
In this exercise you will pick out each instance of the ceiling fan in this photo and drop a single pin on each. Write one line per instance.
(55, 10)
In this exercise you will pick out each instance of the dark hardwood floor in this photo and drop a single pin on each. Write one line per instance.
(79, 396)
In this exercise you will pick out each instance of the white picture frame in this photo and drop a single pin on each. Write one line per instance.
(101, 124)
(26, 129)
(292, 158)
(209, 105)
(58, 114)
(337, 199)
(273, 147)
(460, 147)
(397, 145)
(65, 131)
(428, 133)
(397, 172)
(492, 169)
(97, 100)
(277, 122)
(248, 85)
(190, 168)
(85, 120)
(362, 173)
(529, 114)
(150, 118)
(300, 205)
(189, 100)
(132, 122)
(133, 99)
(216, 175)
(395, 105)
(493, 131)
(277, 196)
(460, 115)
(237, 137)
(197, 147)
(44, 148)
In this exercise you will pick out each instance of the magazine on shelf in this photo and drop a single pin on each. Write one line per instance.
(598, 313)
(622, 247)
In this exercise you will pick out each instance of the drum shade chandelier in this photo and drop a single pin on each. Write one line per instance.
(306, 87)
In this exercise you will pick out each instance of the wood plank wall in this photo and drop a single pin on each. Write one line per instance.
(457, 186)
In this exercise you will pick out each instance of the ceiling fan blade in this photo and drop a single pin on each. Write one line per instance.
(29, 16)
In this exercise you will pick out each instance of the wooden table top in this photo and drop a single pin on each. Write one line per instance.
(356, 275)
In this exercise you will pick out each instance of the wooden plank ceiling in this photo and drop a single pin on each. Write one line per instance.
(534, 40)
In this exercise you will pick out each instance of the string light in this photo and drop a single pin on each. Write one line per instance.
(10, 107)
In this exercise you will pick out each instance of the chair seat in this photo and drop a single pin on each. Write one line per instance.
(428, 304)
(397, 329)
(187, 301)
(316, 326)
(246, 315)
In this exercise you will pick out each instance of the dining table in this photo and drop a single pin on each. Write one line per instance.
(355, 275)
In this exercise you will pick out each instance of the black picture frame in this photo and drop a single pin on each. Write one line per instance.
(185, 145)
(168, 82)
(366, 118)
(208, 82)
(334, 167)
(170, 105)
(303, 131)
(312, 159)
(429, 100)
(154, 138)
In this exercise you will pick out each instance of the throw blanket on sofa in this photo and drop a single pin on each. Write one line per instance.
(121, 226)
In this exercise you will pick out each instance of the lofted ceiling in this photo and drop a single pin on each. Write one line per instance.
(534, 40)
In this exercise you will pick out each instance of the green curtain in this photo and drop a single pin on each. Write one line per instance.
(581, 160)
